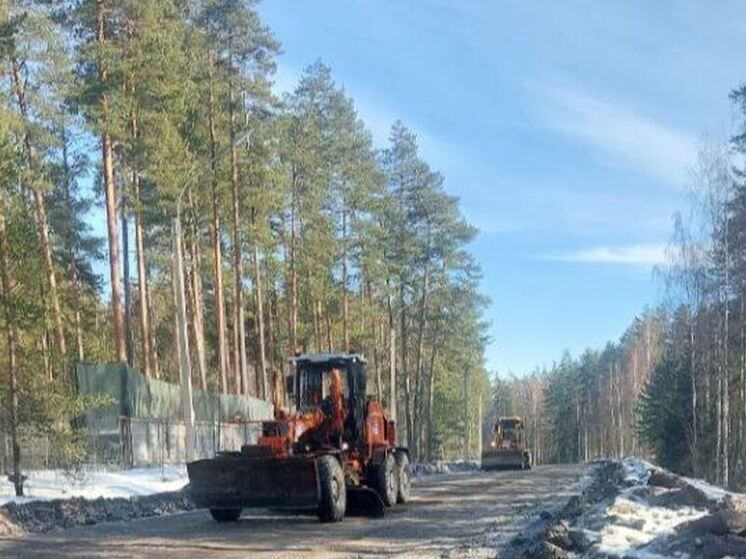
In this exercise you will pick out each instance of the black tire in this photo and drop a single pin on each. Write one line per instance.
(332, 490)
(385, 481)
(404, 477)
(225, 515)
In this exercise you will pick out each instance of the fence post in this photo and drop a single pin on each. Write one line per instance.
(125, 433)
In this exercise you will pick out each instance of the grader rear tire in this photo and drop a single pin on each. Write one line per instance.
(333, 492)
(385, 481)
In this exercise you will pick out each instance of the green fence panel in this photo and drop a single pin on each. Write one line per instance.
(135, 395)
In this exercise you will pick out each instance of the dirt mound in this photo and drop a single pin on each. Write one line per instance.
(663, 478)
(681, 497)
(720, 534)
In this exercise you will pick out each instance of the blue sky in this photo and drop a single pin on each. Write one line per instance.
(566, 128)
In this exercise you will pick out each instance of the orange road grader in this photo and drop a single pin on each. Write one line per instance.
(335, 452)
(507, 450)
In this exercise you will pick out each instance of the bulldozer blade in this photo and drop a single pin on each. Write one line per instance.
(363, 501)
(244, 482)
(503, 460)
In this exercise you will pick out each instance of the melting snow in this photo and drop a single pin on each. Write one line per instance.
(56, 484)
(631, 522)
(634, 523)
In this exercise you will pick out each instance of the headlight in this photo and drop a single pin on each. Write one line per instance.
(345, 446)
(493, 444)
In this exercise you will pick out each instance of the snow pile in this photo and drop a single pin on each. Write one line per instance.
(45, 485)
(637, 471)
(633, 520)
(634, 523)
(645, 517)
(635, 510)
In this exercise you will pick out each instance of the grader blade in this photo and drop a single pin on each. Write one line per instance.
(503, 460)
(236, 481)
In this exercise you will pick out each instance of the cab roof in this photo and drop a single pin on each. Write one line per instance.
(329, 358)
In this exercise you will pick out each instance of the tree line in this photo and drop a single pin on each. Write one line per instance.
(673, 387)
(299, 235)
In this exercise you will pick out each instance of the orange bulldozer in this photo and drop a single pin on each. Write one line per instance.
(334, 453)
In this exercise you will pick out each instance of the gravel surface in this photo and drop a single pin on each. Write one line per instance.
(472, 514)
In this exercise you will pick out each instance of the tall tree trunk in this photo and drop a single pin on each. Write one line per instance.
(75, 284)
(265, 387)
(197, 322)
(378, 338)
(403, 372)
(72, 254)
(152, 320)
(431, 402)
(217, 254)
(44, 350)
(392, 353)
(42, 221)
(293, 295)
(127, 282)
(146, 358)
(695, 415)
(418, 395)
(345, 301)
(262, 385)
(328, 320)
(726, 359)
(239, 326)
(741, 381)
(467, 427)
(316, 304)
(142, 281)
(272, 321)
(112, 224)
(12, 332)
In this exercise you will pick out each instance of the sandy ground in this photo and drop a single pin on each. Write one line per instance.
(458, 515)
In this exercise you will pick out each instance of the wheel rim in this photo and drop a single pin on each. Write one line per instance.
(335, 489)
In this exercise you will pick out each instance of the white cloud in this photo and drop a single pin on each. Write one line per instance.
(622, 135)
(641, 254)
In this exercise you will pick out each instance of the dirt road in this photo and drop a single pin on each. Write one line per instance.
(454, 515)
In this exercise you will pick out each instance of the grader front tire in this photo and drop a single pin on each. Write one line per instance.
(405, 477)
(385, 481)
(333, 492)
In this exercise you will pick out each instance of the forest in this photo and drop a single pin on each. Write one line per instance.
(299, 234)
(673, 387)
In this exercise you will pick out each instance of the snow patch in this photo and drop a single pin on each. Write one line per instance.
(44, 485)
(633, 523)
